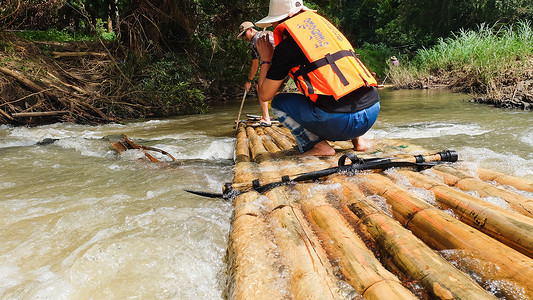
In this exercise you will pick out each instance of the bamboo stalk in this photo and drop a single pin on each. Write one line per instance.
(519, 183)
(511, 228)
(465, 182)
(491, 260)
(400, 248)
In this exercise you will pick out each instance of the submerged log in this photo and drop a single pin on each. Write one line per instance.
(491, 260)
(401, 249)
(311, 273)
(255, 271)
(518, 183)
(358, 264)
(465, 182)
(511, 228)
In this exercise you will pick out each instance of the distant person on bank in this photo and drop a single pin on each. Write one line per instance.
(247, 32)
(394, 61)
(339, 100)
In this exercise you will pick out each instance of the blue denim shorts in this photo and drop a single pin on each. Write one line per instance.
(310, 125)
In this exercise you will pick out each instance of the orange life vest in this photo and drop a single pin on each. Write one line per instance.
(334, 69)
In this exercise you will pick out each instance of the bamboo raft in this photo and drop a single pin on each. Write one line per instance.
(397, 234)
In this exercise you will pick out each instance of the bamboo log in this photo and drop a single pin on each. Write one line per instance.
(465, 182)
(286, 132)
(281, 140)
(259, 153)
(519, 183)
(491, 260)
(511, 228)
(399, 247)
(242, 152)
(254, 269)
(358, 264)
(267, 141)
(311, 273)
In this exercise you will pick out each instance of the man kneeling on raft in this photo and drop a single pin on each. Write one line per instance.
(339, 100)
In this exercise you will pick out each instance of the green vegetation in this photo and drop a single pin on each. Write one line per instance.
(179, 56)
(484, 54)
(167, 84)
(376, 57)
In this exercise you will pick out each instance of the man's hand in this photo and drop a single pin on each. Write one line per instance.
(247, 86)
(264, 48)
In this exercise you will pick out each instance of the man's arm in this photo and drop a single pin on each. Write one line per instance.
(253, 70)
(266, 88)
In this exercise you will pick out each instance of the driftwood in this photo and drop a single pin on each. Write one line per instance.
(76, 54)
(60, 103)
(39, 114)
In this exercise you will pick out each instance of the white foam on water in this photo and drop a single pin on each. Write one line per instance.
(527, 138)
(214, 149)
(425, 130)
(86, 147)
(507, 163)
(9, 276)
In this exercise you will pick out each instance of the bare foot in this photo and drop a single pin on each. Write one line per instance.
(320, 149)
(360, 144)
(265, 121)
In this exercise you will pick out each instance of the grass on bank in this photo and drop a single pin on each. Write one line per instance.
(486, 54)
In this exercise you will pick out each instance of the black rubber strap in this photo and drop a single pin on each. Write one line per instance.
(324, 61)
(331, 62)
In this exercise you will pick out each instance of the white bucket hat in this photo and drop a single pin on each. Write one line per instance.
(279, 10)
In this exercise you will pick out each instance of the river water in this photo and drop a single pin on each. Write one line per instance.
(80, 221)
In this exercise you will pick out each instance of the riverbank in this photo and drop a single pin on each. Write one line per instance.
(93, 82)
(493, 65)
(87, 82)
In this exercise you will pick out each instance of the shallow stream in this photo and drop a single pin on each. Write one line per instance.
(80, 221)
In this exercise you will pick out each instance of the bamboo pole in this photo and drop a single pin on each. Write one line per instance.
(517, 182)
(311, 273)
(511, 228)
(242, 152)
(465, 182)
(281, 140)
(270, 146)
(488, 258)
(358, 264)
(254, 268)
(401, 249)
(259, 153)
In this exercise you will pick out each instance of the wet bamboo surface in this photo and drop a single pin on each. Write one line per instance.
(372, 235)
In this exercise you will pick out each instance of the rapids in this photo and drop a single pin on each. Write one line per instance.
(80, 221)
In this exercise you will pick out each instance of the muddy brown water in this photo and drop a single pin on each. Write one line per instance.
(81, 222)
